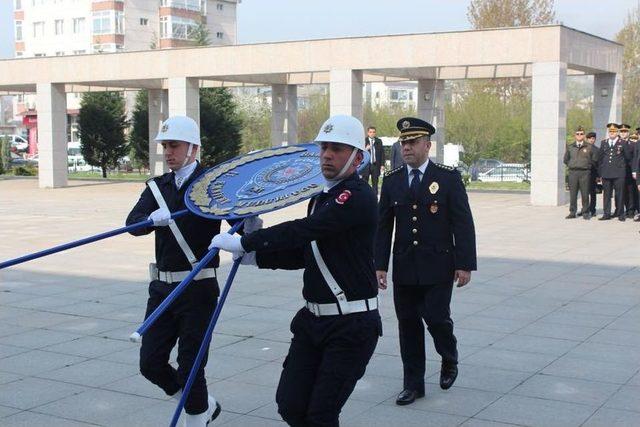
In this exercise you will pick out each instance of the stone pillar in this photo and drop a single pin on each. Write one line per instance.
(548, 133)
(184, 99)
(52, 135)
(607, 101)
(158, 112)
(345, 93)
(431, 108)
(284, 115)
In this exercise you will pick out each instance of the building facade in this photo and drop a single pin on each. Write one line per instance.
(78, 27)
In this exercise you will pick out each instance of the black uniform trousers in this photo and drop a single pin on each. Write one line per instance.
(609, 185)
(372, 171)
(579, 180)
(327, 357)
(631, 201)
(185, 321)
(415, 304)
(592, 191)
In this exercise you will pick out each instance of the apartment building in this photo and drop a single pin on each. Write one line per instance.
(78, 27)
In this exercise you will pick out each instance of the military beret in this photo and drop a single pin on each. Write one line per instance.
(412, 128)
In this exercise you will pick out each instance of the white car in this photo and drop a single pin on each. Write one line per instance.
(506, 172)
(17, 142)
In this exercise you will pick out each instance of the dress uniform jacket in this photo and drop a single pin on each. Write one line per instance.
(197, 231)
(343, 224)
(613, 160)
(434, 235)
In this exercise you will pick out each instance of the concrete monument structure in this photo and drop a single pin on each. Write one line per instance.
(546, 54)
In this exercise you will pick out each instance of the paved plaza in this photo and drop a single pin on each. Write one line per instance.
(548, 329)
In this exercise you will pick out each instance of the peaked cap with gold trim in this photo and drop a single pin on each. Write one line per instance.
(412, 128)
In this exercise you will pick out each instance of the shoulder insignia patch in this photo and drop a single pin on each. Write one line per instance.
(445, 167)
(343, 197)
(392, 171)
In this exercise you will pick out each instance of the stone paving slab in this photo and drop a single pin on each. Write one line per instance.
(548, 335)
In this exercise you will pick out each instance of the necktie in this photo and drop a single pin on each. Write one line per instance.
(179, 181)
(373, 150)
(415, 182)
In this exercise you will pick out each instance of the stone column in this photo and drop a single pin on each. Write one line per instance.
(345, 93)
(431, 108)
(548, 133)
(52, 135)
(158, 112)
(607, 101)
(284, 115)
(184, 99)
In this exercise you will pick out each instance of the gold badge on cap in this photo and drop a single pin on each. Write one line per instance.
(406, 124)
(434, 187)
(433, 208)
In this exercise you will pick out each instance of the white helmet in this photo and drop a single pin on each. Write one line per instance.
(342, 129)
(179, 128)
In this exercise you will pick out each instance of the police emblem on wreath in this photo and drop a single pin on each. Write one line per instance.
(257, 182)
(406, 124)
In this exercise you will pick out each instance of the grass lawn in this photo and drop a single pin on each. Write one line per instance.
(118, 176)
(516, 186)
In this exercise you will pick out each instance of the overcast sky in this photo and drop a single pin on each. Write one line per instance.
(277, 20)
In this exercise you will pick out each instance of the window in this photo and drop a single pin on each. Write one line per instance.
(219, 35)
(78, 25)
(18, 31)
(19, 54)
(60, 53)
(164, 26)
(102, 22)
(38, 29)
(79, 52)
(38, 55)
(59, 27)
(219, 6)
(144, 21)
(17, 4)
(119, 21)
(182, 4)
(182, 28)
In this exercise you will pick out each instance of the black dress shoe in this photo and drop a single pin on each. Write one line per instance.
(622, 219)
(407, 397)
(570, 216)
(215, 414)
(586, 216)
(604, 218)
(448, 375)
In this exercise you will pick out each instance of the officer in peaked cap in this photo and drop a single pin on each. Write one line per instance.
(613, 159)
(631, 191)
(434, 247)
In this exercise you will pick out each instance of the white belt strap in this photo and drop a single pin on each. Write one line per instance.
(345, 308)
(172, 225)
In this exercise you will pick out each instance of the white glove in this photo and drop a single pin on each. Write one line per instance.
(247, 258)
(227, 242)
(252, 223)
(161, 217)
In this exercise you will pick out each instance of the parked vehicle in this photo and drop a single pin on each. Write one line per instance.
(18, 143)
(506, 172)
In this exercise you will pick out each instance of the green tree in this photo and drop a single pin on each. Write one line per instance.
(102, 124)
(200, 35)
(220, 126)
(385, 117)
(629, 36)
(138, 137)
(510, 13)
(5, 155)
(256, 119)
(310, 119)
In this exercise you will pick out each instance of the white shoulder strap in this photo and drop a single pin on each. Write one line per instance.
(326, 274)
(172, 225)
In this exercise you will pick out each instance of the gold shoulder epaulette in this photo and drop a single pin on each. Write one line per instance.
(445, 167)
(392, 171)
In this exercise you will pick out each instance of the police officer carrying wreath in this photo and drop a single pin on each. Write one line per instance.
(335, 334)
(580, 158)
(613, 160)
(434, 246)
(179, 245)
